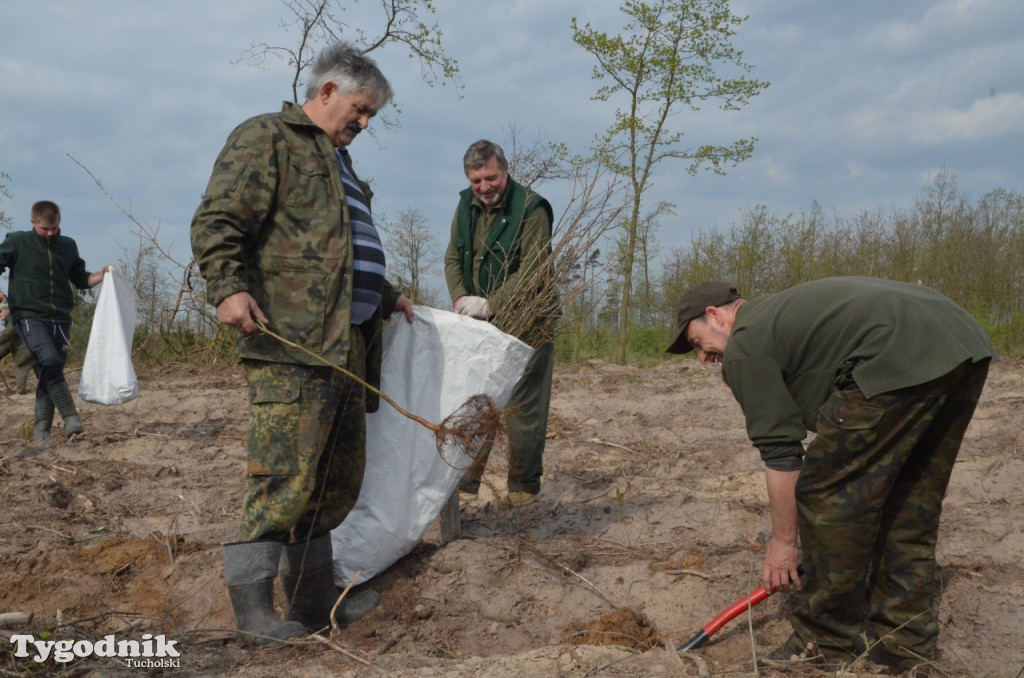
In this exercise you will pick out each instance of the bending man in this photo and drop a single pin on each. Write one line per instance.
(888, 374)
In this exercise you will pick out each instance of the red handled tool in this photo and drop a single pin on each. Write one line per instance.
(728, 614)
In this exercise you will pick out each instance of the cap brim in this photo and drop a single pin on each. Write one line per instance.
(680, 345)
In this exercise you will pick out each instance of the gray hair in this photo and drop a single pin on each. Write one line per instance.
(480, 153)
(351, 71)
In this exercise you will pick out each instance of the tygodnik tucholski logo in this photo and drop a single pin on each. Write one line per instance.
(151, 652)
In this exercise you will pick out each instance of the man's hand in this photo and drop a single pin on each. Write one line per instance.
(780, 566)
(782, 556)
(241, 312)
(97, 277)
(404, 305)
(475, 307)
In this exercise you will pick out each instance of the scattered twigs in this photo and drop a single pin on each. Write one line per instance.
(167, 539)
(28, 528)
(334, 622)
(389, 644)
(750, 632)
(610, 444)
(338, 648)
(543, 556)
(867, 650)
(692, 573)
(702, 666)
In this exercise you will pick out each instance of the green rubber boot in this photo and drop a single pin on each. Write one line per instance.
(307, 576)
(61, 395)
(43, 418)
(249, 570)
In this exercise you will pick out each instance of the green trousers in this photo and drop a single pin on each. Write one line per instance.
(869, 499)
(527, 422)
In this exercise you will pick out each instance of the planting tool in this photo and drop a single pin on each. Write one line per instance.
(728, 614)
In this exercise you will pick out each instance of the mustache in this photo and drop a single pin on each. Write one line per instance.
(354, 127)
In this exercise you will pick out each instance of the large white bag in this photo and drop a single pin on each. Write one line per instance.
(430, 368)
(108, 377)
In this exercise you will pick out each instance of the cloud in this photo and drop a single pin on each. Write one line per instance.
(983, 119)
(866, 98)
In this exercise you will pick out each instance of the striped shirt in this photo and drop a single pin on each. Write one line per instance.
(369, 266)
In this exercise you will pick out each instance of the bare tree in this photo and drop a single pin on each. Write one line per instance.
(320, 22)
(536, 162)
(175, 310)
(413, 253)
(6, 221)
(593, 207)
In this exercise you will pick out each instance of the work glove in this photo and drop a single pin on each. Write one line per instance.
(475, 307)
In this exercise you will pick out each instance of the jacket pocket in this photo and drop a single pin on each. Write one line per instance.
(847, 431)
(850, 414)
(308, 183)
(295, 294)
(273, 427)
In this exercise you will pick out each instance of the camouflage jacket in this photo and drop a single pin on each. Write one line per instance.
(274, 223)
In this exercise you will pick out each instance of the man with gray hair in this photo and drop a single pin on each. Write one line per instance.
(495, 267)
(285, 239)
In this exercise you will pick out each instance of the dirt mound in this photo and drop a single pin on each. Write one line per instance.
(651, 520)
(623, 627)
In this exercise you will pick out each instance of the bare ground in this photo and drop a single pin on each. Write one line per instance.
(651, 520)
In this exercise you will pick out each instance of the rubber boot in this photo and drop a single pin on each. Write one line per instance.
(249, 570)
(310, 586)
(43, 418)
(21, 376)
(61, 395)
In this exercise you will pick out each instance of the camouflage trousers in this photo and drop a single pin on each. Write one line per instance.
(306, 448)
(527, 423)
(869, 499)
(11, 344)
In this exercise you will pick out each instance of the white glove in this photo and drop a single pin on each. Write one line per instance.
(475, 307)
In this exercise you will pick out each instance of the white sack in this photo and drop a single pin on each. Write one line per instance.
(430, 368)
(108, 377)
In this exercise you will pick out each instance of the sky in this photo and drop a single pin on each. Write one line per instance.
(868, 101)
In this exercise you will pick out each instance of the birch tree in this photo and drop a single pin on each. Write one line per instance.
(671, 55)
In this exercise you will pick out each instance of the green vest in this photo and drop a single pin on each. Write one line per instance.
(501, 249)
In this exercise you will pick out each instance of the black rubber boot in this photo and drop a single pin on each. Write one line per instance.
(310, 586)
(249, 570)
(43, 417)
(61, 396)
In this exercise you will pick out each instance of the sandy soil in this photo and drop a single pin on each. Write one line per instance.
(651, 520)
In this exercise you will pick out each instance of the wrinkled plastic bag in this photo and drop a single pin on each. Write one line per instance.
(108, 377)
(430, 368)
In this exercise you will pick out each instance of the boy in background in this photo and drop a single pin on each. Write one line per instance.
(43, 266)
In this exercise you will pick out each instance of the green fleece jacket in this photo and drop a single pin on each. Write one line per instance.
(42, 273)
(786, 349)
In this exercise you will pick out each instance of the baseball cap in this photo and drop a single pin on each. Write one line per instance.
(693, 305)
